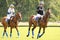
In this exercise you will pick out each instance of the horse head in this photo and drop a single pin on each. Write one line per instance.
(47, 14)
(19, 16)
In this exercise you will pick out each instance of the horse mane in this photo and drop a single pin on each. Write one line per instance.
(15, 18)
(46, 16)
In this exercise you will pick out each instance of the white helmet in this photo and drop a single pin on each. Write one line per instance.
(11, 5)
(42, 2)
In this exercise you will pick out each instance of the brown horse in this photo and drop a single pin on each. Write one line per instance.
(41, 24)
(12, 23)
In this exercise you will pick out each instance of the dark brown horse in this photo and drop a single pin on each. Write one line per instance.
(41, 24)
(12, 23)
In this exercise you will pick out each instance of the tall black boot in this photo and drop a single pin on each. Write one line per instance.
(8, 21)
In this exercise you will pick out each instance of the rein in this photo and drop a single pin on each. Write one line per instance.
(15, 18)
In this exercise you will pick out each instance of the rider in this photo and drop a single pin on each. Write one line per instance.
(11, 12)
(40, 11)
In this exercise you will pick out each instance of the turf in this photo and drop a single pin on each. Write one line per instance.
(51, 33)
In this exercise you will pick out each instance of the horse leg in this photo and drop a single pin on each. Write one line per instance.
(5, 31)
(39, 32)
(29, 29)
(11, 32)
(43, 30)
(33, 31)
(17, 31)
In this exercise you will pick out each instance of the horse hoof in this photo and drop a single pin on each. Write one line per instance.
(27, 35)
(3, 34)
(10, 35)
(37, 37)
(18, 34)
(32, 37)
(6, 34)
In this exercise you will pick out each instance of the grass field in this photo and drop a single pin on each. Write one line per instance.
(52, 33)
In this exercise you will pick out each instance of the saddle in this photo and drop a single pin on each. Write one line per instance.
(11, 19)
(37, 18)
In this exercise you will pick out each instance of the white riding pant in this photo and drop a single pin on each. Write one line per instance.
(38, 15)
(9, 16)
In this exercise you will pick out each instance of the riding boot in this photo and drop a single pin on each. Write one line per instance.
(8, 21)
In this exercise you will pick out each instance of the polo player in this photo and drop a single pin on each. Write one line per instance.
(40, 11)
(11, 12)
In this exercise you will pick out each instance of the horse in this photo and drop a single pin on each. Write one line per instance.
(41, 23)
(12, 24)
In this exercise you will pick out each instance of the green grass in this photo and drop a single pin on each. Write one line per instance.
(51, 33)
